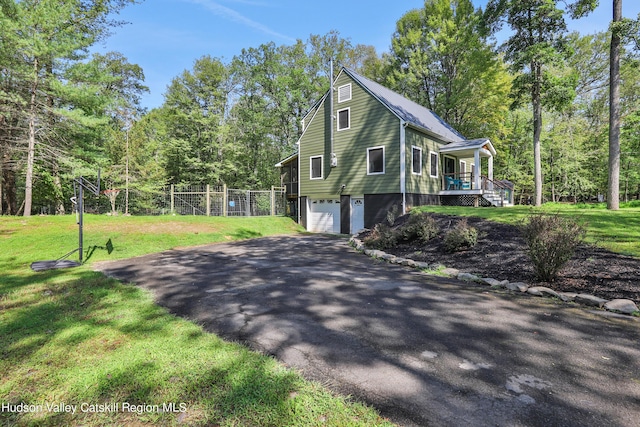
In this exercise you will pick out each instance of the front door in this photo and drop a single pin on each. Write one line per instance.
(449, 167)
(357, 214)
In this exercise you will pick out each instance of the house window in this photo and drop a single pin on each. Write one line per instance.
(416, 160)
(433, 164)
(375, 160)
(343, 119)
(344, 93)
(316, 167)
(463, 169)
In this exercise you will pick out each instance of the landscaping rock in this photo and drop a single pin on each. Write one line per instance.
(374, 253)
(495, 283)
(590, 300)
(625, 306)
(542, 291)
(388, 257)
(423, 265)
(468, 277)
(517, 286)
(567, 296)
(451, 272)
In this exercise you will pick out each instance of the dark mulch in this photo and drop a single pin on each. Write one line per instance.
(500, 254)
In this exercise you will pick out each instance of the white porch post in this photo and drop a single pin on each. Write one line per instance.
(478, 169)
(490, 172)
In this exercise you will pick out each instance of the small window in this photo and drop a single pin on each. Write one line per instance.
(344, 93)
(416, 160)
(375, 160)
(433, 164)
(343, 119)
(316, 167)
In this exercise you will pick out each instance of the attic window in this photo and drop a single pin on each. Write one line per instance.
(344, 93)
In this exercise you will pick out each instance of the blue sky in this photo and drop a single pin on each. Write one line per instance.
(165, 37)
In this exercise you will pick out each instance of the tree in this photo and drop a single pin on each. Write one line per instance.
(196, 148)
(48, 35)
(441, 59)
(536, 51)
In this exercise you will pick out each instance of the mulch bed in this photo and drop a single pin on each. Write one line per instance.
(500, 254)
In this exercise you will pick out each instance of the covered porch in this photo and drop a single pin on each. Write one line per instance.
(462, 166)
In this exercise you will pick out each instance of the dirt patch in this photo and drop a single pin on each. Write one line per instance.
(500, 254)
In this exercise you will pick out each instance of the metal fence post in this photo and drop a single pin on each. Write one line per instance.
(172, 200)
(208, 201)
(273, 200)
(225, 200)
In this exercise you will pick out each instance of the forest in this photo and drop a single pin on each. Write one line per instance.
(542, 97)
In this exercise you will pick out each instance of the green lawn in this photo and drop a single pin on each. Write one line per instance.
(617, 231)
(78, 338)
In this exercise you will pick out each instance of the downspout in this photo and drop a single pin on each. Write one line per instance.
(334, 159)
(403, 165)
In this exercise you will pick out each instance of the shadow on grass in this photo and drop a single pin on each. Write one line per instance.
(88, 338)
(245, 233)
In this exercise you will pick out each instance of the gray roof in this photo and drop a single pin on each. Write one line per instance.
(471, 144)
(409, 111)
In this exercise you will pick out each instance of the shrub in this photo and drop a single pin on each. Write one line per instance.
(462, 236)
(421, 226)
(381, 237)
(551, 242)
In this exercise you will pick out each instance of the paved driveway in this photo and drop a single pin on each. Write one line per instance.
(423, 350)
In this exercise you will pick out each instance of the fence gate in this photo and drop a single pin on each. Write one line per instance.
(223, 201)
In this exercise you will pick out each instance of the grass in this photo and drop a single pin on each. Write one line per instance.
(78, 338)
(617, 231)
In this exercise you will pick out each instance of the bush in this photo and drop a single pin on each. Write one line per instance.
(551, 242)
(461, 237)
(381, 237)
(420, 226)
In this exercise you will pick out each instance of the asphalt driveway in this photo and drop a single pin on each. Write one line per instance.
(424, 350)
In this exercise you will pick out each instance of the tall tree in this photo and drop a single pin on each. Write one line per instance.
(50, 34)
(440, 59)
(536, 51)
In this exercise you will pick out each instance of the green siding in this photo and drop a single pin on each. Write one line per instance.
(371, 125)
(422, 184)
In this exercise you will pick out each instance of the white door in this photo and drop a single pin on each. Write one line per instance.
(357, 214)
(324, 215)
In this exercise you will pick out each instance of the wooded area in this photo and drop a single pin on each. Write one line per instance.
(542, 97)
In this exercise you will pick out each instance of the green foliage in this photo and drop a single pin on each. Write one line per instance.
(551, 242)
(421, 226)
(381, 237)
(461, 237)
(440, 59)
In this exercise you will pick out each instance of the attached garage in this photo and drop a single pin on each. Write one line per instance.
(324, 215)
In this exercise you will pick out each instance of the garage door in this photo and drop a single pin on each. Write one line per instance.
(324, 215)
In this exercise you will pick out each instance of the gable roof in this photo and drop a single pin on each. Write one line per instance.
(407, 110)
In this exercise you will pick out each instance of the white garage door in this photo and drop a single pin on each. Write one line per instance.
(324, 215)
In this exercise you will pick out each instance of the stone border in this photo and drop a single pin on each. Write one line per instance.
(624, 306)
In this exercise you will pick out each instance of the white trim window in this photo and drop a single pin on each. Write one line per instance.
(344, 93)
(375, 161)
(344, 119)
(463, 168)
(416, 160)
(315, 167)
(433, 164)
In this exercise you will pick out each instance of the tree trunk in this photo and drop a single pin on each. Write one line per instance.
(537, 131)
(613, 194)
(28, 186)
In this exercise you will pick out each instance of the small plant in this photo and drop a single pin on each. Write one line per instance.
(420, 226)
(461, 237)
(551, 242)
(381, 237)
(392, 215)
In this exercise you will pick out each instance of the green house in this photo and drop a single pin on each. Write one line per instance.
(365, 149)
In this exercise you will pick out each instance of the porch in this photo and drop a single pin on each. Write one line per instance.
(459, 186)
